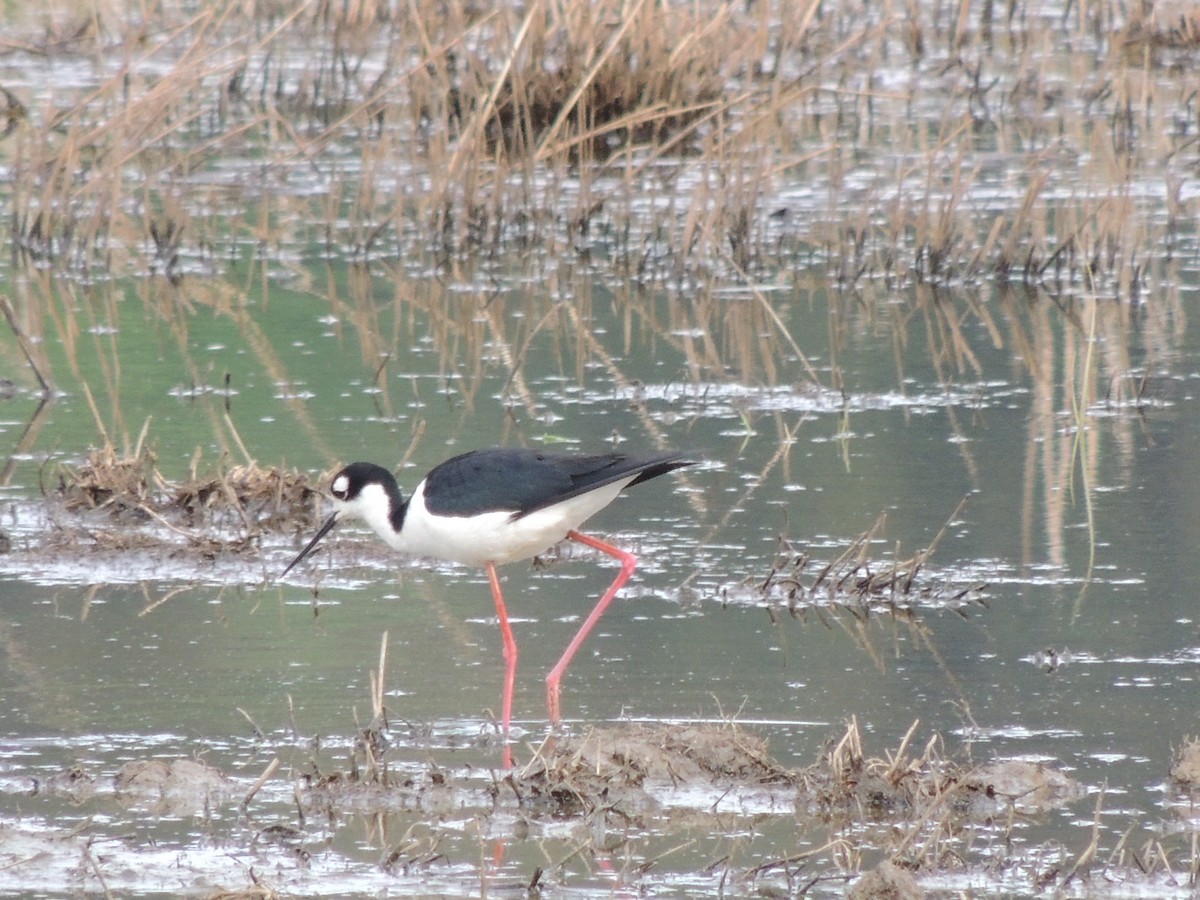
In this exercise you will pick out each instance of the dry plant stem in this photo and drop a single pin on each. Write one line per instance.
(858, 548)
(87, 852)
(250, 461)
(25, 441)
(170, 595)
(923, 557)
(648, 864)
(377, 680)
(271, 769)
(540, 756)
(897, 761)
(191, 536)
(939, 801)
(1089, 852)
(779, 323)
(23, 343)
(258, 732)
(87, 394)
(833, 845)
(1082, 436)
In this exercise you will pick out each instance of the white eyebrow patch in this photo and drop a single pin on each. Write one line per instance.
(340, 484)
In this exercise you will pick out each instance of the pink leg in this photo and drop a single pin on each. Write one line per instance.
(510, 646)
(628, 562)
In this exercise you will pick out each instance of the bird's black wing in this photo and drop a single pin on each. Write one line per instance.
(522, 481)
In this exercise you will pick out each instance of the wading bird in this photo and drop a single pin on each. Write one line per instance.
(490, 507)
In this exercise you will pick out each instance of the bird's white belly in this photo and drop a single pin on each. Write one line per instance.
(496, 537)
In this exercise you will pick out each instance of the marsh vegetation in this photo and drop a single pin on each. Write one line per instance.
(912, 280)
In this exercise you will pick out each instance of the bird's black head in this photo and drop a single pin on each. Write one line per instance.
(349, 483)
(360, 490)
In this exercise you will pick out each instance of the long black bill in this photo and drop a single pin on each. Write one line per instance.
(329, 523)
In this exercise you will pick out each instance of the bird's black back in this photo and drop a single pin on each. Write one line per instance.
(522, 481)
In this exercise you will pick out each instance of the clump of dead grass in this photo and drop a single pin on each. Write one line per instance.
(576, 775)
(886, 881)
(1166, 24)
(271, 498)
(854, 580)
(171, 787)
(116, 483)
(845, 781)
(131, 486)
(1185, 768)
(921, 804)
(602, 75)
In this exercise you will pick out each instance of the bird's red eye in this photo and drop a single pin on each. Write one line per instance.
(340, 487)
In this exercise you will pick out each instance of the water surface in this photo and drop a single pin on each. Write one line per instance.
(1042, 435)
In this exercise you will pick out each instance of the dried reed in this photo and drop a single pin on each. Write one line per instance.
(460, 129)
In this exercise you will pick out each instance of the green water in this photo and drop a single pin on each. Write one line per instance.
(103, 663)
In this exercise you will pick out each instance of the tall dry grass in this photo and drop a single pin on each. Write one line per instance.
(907, 141)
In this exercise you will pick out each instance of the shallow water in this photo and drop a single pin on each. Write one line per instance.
(1054, 621)
(164, 654)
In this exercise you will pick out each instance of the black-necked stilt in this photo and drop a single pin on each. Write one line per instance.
(490, 507)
